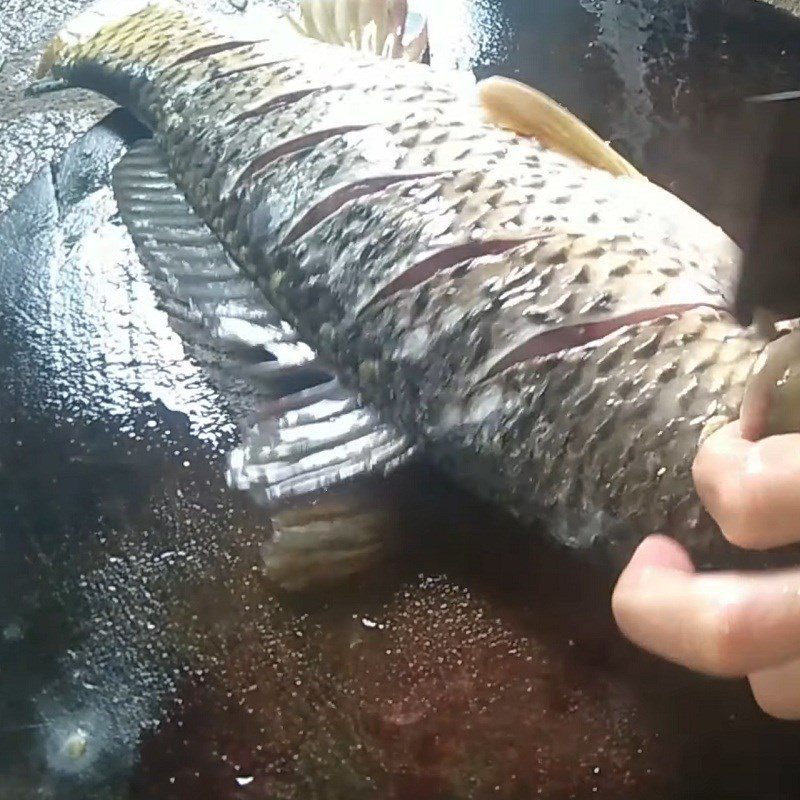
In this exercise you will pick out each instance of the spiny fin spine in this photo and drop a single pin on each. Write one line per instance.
(384, 28)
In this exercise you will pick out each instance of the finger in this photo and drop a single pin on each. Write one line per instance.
(750, 488)
(770, 402)
(720, 623)
(777, 690)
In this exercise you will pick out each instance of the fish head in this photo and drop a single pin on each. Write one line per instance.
(81, 29)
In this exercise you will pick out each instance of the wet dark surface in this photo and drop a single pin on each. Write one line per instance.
(142, 654)
(34, 132)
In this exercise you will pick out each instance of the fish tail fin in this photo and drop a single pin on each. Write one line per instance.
(386, 28)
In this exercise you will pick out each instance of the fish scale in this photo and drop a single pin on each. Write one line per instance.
(552, 335)
(476, 301)
(663, 403)
(208, 97)
(358, 155)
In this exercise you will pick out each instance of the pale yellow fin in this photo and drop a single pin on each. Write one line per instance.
(382, 27)
(528, 112)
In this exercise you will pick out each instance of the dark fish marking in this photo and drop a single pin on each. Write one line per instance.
(333, 202)
(330, 390)
(277, 103)
(212, 50)
(304, 142)
(227, 73)
(444, 259)
(569, 337)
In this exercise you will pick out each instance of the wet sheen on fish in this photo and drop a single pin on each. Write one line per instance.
(405, 266)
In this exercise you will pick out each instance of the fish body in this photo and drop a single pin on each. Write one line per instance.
(556, 338)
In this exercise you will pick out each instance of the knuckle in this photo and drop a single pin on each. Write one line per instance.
(736, 508)
(740, 503)
(719, 494)
(744, 516)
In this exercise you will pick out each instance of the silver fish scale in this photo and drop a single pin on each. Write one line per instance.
(450, 210)
(203, 101)
(202, 98)
(614, 426)
(450, 331)
(291, 187)
(152, 35)
(252, 67)
(501, 212)
(421, 143)
(397, 288)
(221, 89)
(321, 111)
(211, 167)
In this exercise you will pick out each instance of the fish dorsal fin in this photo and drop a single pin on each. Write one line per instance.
(312, 453)
(385, 28)
(528, 112)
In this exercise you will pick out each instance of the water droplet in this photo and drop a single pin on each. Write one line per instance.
(13, 632)
(76, 744)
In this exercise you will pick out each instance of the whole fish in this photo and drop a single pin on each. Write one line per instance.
(412, 266)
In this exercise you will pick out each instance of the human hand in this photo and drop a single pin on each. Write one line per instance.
(726, 623)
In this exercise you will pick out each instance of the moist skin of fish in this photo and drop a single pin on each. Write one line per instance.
(555, 337)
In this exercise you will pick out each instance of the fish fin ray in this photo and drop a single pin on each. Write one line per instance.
(211, 304)
(325, 466)
(318, 459)
(529, 112)
(385, 28)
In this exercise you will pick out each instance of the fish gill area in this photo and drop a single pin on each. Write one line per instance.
(142, 653)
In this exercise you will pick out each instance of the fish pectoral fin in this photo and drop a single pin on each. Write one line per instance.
(325, 467)
(312, 453)
(529, 112)
(385, 28)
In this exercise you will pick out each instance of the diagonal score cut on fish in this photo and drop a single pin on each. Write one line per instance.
(405, 264)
